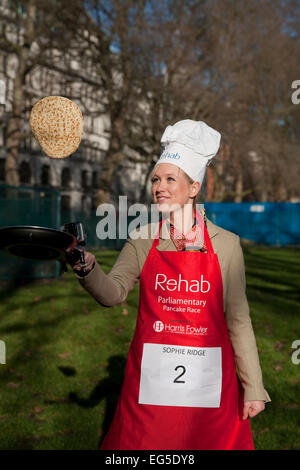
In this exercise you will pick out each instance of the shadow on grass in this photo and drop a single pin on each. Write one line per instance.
(107, 389)
(8, 288)
(273, 276)
(39, 321)
(36, 330)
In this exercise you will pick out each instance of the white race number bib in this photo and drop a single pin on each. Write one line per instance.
(173, 375)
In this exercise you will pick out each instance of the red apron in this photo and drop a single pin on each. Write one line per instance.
(181, 390)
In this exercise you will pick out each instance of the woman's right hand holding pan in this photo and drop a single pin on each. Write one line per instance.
(89, 262)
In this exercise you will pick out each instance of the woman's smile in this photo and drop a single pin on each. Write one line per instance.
(162, 198)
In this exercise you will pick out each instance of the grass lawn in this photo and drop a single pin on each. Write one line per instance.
(65, 356)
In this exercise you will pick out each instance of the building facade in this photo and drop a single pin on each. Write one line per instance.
(65, 74)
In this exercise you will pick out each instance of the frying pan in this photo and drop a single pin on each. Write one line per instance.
(36, 243)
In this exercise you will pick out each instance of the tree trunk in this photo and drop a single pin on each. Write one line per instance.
(238, 188)
(112, 158)
(14, 135)
(210, 184)
(238, 177)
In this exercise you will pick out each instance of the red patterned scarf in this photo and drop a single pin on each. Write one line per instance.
(193, 240)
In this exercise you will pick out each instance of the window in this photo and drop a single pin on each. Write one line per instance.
(45, 175)
(84, 179)
(25, 172)
(95, 179)
(65, 178)
(2, 169)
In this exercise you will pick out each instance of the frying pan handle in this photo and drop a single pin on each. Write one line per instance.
(77, 254)
(82, 259)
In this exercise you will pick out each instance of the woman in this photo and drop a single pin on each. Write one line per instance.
(181, 390)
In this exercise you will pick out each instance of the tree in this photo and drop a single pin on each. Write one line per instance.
(148, 56)
(149, 64)
(204, 60)
(254, 45)
(28, 29)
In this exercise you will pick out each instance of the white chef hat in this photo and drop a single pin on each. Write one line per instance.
(190, 145)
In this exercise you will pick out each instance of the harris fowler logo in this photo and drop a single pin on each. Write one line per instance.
(196, 330)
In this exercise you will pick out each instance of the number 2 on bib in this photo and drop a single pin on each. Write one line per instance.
(176, 380)
(199, 376)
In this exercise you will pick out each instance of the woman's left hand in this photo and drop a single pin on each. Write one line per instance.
(252, 408)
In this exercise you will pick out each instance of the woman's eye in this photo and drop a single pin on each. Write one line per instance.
(155, 179)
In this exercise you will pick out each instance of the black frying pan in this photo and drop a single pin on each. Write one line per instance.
(36, 243)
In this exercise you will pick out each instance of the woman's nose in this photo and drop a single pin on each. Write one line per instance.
(161, 186)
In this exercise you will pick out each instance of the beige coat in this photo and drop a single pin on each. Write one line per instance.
(113, 288)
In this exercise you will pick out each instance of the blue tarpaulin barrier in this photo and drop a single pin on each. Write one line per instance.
(267, 223)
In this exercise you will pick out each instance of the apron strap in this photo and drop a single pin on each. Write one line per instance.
(207, 241)
(156, 239)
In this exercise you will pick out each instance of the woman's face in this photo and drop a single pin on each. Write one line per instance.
(171, 189)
